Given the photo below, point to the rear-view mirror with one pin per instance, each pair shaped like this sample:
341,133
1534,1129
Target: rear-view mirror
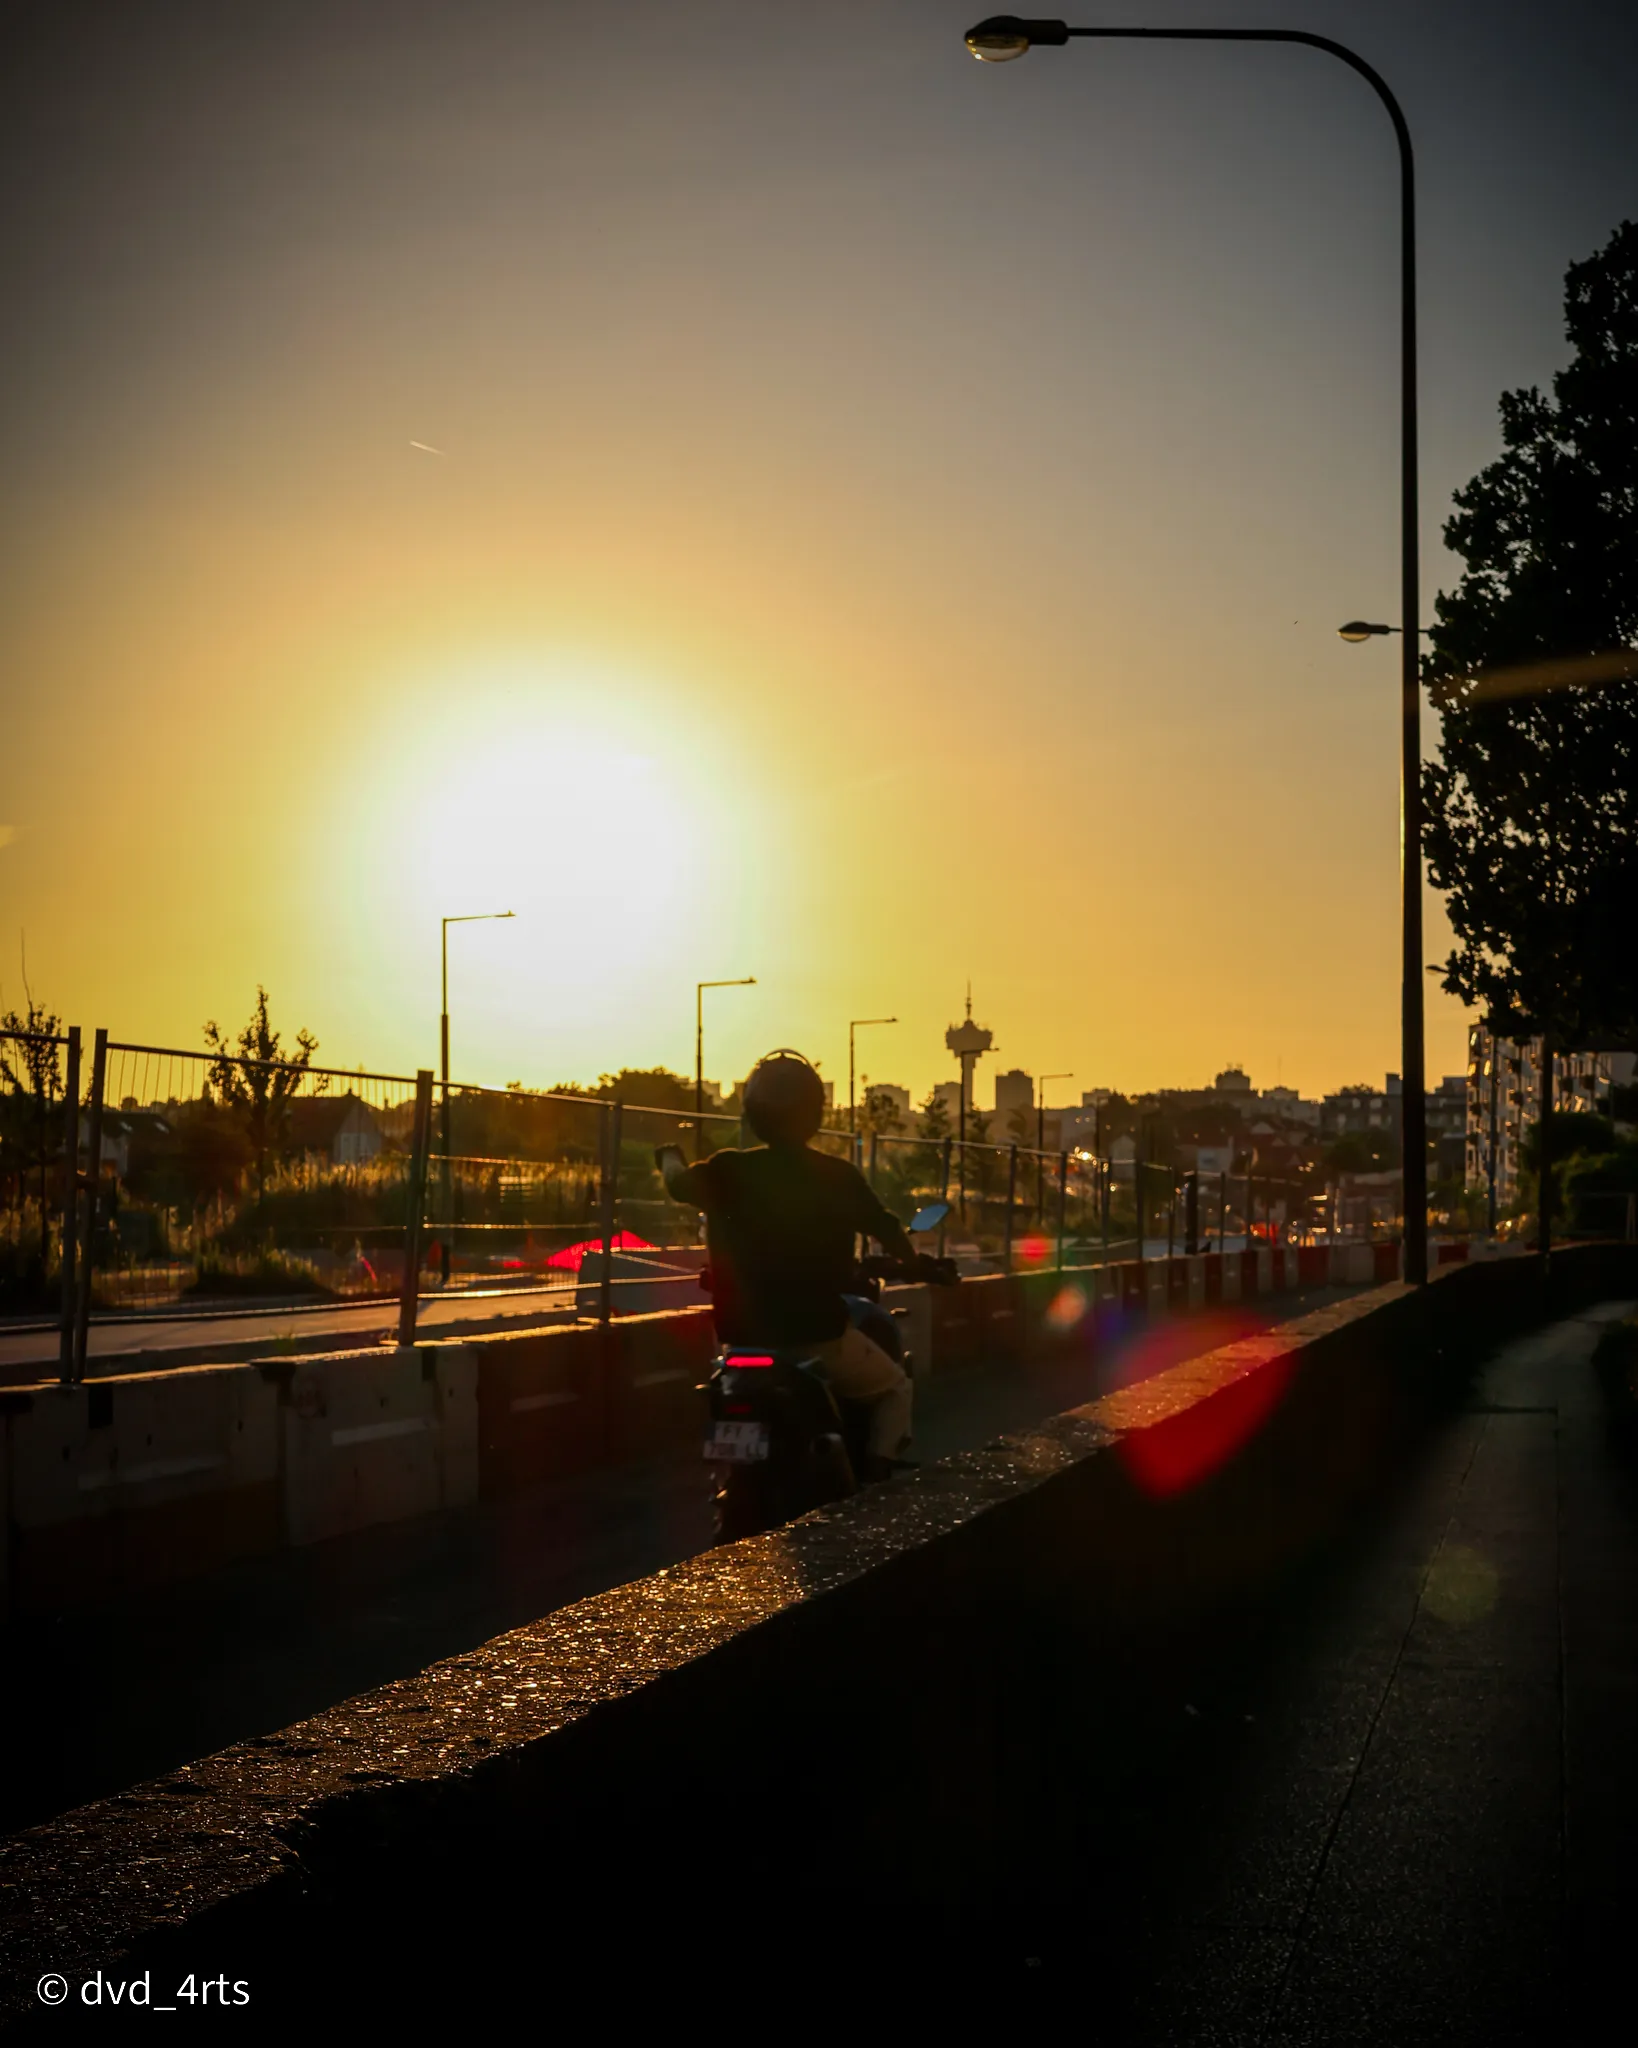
929,1218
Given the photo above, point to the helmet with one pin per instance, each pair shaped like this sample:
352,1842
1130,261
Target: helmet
784,1099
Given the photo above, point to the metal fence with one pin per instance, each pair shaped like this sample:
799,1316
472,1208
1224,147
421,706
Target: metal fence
177,1182
222,1182
225,1179
40,1182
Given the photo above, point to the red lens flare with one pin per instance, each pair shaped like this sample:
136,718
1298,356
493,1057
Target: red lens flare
1171,1456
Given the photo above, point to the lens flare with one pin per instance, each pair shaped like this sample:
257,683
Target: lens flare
1171,1456
1066,1308
1462,1585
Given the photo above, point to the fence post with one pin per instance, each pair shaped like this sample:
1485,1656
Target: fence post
71,1204
82,1292
1012,1193
1063,1203
416,1201
944,1192
611,1197
1106,1192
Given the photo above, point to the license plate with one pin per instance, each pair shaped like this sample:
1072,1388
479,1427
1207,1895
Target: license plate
737,1443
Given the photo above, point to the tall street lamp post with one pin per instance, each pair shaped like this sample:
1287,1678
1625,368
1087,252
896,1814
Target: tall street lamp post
744,981
1357,632
447,1176
858,1024
1005,36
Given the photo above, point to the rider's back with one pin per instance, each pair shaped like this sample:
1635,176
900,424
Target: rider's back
781,1221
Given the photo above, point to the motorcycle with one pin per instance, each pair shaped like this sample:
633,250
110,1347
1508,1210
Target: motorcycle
782,1439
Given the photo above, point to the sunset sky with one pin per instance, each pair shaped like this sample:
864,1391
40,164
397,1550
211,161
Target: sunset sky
756,493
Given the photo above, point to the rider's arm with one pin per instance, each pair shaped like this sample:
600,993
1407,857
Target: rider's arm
881,1224
683,1183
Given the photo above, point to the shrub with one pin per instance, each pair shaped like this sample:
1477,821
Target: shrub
268,1272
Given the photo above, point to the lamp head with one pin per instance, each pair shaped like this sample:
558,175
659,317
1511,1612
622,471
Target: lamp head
1002,37
1358,630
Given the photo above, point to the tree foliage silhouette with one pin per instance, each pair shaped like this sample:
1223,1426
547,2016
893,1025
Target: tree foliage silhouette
1532,804
258,1078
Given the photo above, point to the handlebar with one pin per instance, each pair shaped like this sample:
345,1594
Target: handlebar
922,1269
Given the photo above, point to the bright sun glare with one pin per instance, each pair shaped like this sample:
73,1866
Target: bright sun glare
569,827
574,797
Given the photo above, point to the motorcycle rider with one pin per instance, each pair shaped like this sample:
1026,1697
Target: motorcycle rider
780,1222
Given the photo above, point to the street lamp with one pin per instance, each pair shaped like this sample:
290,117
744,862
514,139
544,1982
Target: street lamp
477,917
1005,36
857,1024
744,981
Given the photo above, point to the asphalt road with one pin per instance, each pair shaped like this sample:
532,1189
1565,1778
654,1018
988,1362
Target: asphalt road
363,1322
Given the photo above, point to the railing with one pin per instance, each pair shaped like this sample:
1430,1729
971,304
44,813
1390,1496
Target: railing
194,1182
226,1179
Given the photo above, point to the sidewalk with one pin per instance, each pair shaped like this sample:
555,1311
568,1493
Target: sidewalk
1422,1821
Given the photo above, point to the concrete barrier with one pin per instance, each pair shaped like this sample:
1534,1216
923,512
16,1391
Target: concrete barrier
957,1326
375,1436
912,1308
1350,1265
651,1366
1004,1322
139,1477
540,1405
120,1484
1025,1589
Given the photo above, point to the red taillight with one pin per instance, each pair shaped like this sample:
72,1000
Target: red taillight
738,1360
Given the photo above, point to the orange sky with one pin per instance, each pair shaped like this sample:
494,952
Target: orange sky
887,525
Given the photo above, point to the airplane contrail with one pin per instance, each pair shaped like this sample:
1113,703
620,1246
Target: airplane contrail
426,448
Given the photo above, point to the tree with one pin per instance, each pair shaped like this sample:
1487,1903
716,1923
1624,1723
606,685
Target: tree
653,1087
258,1078
28,1083
935,1118
1532,828
879,1112
1362,1152
31,1066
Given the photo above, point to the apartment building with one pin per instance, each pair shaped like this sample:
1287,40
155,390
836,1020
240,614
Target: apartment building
1504,1100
